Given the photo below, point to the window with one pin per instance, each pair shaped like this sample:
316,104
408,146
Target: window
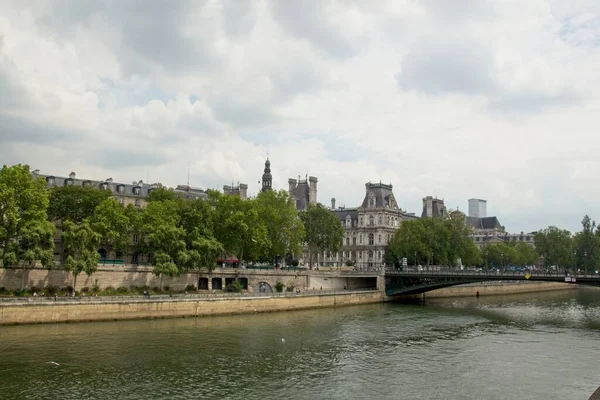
371,221
120,189
138,203
136,239
360,254
379,220
360,239
69,182
371,239
137,191
361,221
134,258
370,254
371,202
347,241
348,222
121,200
104,186
354,241
378,238
50,180
379,255
528,238
387,220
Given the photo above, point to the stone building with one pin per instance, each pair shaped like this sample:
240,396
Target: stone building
189,192
433,208
134,193
368,229
241,190
304,192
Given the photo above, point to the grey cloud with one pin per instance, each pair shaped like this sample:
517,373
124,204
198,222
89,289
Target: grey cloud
243,115
306,19
114,158
460,10
436,67
14,129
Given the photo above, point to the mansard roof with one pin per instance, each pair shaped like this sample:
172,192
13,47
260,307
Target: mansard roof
343,213
382,193
484,223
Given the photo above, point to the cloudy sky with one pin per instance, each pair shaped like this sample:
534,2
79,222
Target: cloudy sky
456,99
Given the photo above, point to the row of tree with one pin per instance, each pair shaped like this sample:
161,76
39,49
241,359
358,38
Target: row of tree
448,241
180,235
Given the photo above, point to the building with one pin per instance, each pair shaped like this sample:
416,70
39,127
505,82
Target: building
134,193
189,192
481,240
368,229
267,178
477,208
304,192
433,208
485,226
241,190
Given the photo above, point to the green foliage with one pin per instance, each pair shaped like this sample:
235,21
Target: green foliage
235,287
322,230
555,245
25,235
284,229
75,203
434,241
586,246
161,194
279,287
80,244
509,253
111,222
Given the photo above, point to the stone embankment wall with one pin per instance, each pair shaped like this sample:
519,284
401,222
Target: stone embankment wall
127,276
499,288
38,312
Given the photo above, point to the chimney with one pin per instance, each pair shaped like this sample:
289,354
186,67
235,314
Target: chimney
333,203
72,175
36,172
292,184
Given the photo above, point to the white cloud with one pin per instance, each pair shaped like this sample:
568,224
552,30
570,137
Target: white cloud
480,99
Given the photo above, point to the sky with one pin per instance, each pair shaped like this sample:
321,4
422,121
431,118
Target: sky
497,100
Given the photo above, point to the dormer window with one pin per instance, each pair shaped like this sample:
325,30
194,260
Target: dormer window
86,183
348,222
121,189
137,190
50,180
68,182
104,185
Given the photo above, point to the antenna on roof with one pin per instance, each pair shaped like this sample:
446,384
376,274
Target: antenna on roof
188,173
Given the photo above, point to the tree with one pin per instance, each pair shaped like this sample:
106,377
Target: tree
80,244
75,203
24,234
165,237
555,245
112,224
238,227
283,225
586,246
322,230
161,193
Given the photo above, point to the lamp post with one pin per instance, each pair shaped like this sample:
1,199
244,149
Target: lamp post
575,260
486,260
502,259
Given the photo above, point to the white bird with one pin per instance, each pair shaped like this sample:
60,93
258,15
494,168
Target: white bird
53,363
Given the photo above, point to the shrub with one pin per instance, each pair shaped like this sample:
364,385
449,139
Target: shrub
51,290
279,286
3,290
122,290
295,262
166,288
349,263
20,292
33,290
289,288
69,289
156,289
234,287
85,289
190,288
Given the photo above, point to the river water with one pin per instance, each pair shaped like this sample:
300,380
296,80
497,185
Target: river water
536,346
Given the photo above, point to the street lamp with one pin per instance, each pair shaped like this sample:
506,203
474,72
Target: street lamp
486,260
502,258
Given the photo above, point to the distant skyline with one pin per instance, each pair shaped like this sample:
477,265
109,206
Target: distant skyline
466,99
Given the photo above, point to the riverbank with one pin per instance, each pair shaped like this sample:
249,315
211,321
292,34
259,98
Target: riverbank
98,309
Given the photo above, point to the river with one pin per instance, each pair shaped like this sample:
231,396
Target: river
536,346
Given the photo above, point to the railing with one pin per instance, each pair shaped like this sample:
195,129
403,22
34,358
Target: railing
441,271
178,297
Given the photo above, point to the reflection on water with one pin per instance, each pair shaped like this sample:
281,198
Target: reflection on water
538,346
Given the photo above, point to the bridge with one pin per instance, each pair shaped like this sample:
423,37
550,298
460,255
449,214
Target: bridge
416,282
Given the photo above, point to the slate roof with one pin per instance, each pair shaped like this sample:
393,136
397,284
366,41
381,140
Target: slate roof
301,195
383,194
128,189
484,223
342,213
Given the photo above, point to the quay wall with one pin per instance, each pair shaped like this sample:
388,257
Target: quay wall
78,311
498,288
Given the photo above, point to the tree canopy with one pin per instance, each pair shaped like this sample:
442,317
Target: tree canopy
322,230
74,203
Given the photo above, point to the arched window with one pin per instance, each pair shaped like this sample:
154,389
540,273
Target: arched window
348,222
347,241
360,238
370,254
371,221
361,221
371,239
387,220
379,219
